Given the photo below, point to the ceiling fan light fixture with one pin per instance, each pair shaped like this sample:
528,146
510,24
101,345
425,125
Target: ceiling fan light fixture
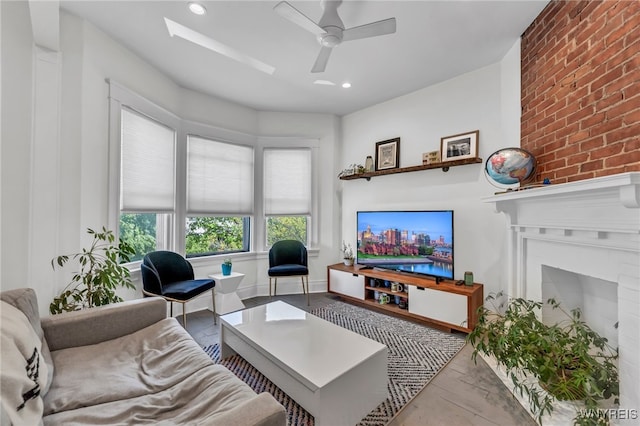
331,38
197,8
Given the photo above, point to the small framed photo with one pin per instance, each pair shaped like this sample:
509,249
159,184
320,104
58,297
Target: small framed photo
459,147
388,154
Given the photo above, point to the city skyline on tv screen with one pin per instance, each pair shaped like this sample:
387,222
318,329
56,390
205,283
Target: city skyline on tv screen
409,241
433,223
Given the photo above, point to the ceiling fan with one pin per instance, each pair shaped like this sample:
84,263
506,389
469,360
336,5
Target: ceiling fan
330,30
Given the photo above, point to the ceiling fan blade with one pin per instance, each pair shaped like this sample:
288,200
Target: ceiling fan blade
289,12
321,61
202,40
386,26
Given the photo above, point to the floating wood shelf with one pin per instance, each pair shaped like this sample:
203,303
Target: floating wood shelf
444,166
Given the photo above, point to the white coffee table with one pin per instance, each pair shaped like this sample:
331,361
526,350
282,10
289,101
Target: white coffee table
227,300
337,375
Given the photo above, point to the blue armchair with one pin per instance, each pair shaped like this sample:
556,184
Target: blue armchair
169,275
288,258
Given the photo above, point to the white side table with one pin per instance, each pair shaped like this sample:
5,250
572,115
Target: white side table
227,300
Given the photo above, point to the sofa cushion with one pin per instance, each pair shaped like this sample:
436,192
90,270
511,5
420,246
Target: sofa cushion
158,375
147,362
23,371
200,398
25,300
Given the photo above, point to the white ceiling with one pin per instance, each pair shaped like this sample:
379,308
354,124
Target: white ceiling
434,41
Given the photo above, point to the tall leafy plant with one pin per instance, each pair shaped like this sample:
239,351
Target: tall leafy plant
568,359
100,273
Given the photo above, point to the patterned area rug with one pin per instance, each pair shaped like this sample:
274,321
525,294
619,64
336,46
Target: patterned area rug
416,354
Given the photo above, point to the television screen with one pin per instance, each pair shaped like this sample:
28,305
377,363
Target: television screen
418,242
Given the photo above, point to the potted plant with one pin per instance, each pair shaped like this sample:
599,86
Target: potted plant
101,273
347,254
226,266
568,359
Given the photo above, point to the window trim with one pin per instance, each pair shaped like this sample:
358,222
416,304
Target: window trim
280,142
192,128
120,96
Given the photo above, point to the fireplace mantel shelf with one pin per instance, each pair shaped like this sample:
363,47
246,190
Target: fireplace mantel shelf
628,185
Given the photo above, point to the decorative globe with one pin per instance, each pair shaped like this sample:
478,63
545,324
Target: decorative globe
510,167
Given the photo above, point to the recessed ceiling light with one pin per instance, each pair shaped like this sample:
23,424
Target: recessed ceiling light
197,8
346,85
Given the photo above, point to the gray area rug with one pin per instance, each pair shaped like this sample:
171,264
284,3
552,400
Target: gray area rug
416,354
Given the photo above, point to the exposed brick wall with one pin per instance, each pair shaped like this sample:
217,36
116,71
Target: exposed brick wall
581,89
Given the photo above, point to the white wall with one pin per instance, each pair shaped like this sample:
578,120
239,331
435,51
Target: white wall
80,189
486,99
480,100
17,59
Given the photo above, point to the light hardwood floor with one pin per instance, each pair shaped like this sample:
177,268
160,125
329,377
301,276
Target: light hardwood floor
463,393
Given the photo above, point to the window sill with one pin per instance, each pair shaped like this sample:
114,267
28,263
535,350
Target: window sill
134,267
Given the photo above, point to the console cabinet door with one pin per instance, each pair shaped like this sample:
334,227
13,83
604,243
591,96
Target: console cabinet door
346,283
439,305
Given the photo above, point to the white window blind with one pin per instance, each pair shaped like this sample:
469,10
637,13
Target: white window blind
287,181
147,164
219,177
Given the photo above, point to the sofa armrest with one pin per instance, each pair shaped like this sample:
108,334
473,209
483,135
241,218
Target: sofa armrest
263,410
95,325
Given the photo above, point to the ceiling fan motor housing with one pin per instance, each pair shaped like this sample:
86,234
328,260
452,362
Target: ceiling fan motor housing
332,37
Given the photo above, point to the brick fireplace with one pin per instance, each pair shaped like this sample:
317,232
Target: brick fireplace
580,93
580,242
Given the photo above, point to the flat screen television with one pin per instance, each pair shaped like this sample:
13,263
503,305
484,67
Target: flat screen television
419,242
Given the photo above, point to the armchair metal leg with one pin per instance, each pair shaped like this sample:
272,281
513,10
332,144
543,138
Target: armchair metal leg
307,290
213,296
184,315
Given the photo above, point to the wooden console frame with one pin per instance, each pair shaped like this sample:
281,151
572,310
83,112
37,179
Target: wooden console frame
474,294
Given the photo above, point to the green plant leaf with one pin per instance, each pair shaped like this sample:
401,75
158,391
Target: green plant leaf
99,275
568,359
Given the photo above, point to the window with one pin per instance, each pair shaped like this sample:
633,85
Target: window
139,230
287,194
189,187
286,228
219,197
147,182
213,235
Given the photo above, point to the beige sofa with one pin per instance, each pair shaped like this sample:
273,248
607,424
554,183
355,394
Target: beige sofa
124,363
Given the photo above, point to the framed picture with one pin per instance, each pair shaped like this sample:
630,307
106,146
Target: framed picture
459,147
388,154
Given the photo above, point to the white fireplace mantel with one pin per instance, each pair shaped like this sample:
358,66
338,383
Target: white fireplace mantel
616,191
591,228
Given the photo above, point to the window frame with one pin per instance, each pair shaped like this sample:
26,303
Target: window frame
292,142
120,96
